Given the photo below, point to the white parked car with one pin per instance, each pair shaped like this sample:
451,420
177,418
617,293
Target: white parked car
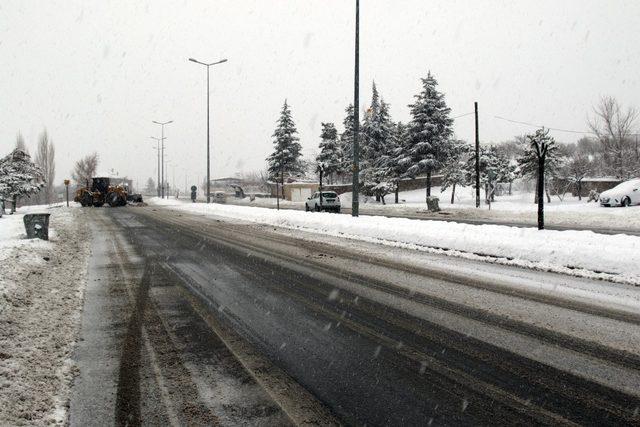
624,194
330,202
219,197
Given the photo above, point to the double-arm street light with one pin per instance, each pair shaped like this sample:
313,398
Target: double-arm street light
158,142
208,65
162,138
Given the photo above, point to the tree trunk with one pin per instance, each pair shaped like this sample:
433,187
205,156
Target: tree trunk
15,204
546,191
579,190
397,195
510,188
453,192
383,202
428,183
540,192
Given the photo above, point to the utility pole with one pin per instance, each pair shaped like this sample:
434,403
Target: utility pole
158,142
162,161
475,105
355,203
208,65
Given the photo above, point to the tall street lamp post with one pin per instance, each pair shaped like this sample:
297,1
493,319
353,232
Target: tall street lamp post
163,138
355,203
158,142
208,133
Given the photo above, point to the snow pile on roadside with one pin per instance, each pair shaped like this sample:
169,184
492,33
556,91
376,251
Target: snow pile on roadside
41,289
547,249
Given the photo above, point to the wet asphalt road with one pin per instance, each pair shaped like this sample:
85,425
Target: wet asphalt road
370,351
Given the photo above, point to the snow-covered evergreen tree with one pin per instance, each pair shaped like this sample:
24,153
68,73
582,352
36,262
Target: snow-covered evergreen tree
397,169
19,176
493,169
429,131
378,150
346,144
150,188
453,170
285,158
330,153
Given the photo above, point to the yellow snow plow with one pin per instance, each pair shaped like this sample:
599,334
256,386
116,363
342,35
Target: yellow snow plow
101,192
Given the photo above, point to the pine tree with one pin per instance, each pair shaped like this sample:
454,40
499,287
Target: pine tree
150,188
19,176
378,148
429,132
346,143
400,137
453,170
377,129
494,168
285,158
330,153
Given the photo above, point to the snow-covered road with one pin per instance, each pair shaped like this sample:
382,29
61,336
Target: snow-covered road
580,253
380,333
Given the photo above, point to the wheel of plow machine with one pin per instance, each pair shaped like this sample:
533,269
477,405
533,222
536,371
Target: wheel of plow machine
115,199
86,199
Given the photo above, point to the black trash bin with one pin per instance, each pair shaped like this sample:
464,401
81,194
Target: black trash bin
37,225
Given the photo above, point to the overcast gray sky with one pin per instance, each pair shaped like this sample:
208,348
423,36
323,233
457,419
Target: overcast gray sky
96,73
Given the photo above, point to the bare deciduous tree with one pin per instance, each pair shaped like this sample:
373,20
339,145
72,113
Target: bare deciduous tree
20,144
613,125
577,168
85,169
45,158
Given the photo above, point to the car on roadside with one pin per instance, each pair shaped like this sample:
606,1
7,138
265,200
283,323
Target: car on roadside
624,194
330,202
219,197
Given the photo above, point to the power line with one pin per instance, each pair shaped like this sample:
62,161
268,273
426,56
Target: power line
462,115
542,126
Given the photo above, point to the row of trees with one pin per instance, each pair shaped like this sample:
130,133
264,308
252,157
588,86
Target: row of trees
20,177
45,159
391,151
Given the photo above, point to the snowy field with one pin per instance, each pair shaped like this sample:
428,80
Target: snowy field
41,289
582,253
519,207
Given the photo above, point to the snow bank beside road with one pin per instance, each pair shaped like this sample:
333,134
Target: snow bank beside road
41,288
547,249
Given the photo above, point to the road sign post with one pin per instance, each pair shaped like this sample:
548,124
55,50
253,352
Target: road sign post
66,185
